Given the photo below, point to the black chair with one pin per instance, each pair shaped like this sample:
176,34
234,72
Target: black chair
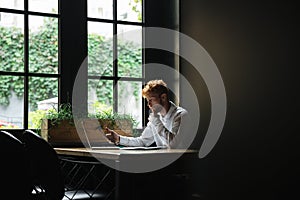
53,179
45,168
15,182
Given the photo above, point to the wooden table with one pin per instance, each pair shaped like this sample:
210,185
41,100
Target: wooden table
119,159
119,154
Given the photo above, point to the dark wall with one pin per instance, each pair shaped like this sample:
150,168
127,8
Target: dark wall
164,14
255,46
73,49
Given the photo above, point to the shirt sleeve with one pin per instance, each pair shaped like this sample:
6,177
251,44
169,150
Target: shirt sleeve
156,131
146,139
178,137
164,136
162,130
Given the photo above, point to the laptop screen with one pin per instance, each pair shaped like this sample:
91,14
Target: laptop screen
95,135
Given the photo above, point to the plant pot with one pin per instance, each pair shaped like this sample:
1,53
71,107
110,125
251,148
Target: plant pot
64,133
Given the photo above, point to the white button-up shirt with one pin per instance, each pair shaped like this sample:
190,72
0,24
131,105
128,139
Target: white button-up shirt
161,129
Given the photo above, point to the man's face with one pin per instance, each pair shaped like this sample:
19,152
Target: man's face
155,102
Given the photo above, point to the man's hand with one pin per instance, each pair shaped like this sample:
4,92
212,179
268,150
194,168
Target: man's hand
156,108
112,136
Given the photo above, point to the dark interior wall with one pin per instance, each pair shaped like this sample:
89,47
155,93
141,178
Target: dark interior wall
254,44
163,14
73,49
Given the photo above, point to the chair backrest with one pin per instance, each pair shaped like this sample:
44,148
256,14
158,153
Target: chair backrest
15,182
45,165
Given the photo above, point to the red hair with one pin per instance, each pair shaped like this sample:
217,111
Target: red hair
157,87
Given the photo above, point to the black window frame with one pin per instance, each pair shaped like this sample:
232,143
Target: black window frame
71,36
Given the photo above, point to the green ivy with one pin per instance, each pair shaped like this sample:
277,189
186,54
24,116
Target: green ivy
11,59
43,58
134,7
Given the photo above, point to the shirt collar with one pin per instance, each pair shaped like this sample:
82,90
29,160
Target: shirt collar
171,109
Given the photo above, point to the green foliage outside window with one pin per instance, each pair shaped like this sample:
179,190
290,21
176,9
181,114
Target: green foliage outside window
43,51
100,61
11,59
135,4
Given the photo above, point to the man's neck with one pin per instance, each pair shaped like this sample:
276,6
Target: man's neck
166,109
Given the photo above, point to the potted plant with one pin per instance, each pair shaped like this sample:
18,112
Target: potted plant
123,124
58,126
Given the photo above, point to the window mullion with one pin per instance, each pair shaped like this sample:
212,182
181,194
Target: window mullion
26,65
115,58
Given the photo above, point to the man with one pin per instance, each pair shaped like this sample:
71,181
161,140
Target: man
164,120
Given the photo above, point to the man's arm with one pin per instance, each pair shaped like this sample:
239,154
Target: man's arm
162,134
146,139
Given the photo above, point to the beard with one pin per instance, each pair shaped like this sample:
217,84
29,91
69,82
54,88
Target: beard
159,107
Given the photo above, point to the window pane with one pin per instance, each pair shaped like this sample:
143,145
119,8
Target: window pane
45,6
100,95
11,42
43,44
100,49
129,51
130,10
100,9
16,4
11,101
43,93
130,100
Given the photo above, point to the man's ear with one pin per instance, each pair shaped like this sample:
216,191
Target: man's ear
164,96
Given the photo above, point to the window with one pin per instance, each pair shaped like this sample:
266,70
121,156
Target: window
33,65
29,71
115,66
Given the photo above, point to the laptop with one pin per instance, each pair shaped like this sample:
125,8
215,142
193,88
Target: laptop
96,139
95,136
